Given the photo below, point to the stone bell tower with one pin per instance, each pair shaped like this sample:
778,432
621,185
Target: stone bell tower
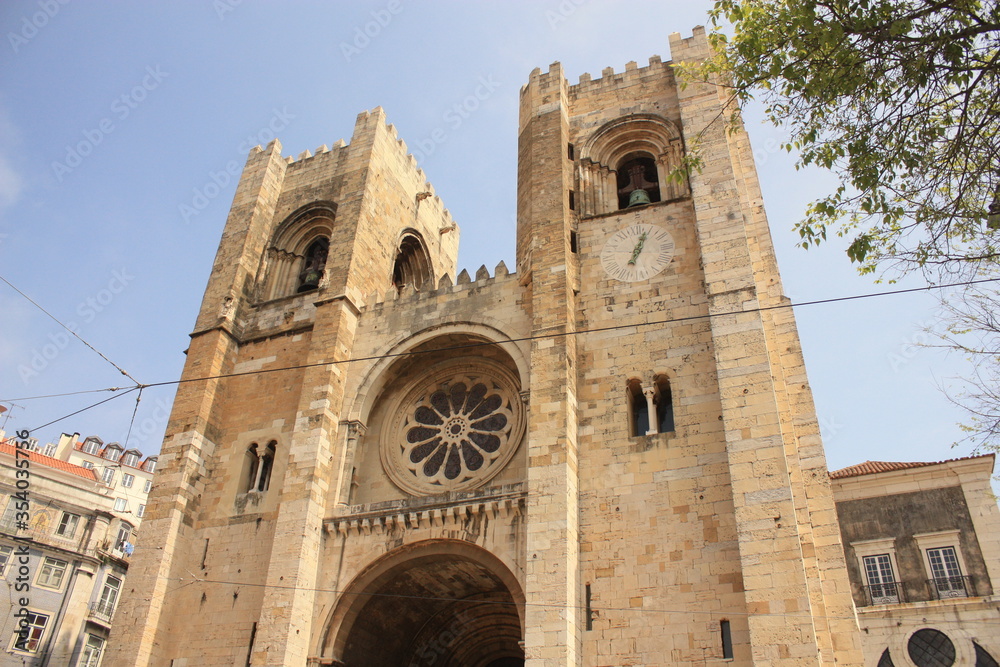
607,457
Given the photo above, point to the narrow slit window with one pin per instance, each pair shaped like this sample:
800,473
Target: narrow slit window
266,465
251,465
638,409
573,243
664,403
727,640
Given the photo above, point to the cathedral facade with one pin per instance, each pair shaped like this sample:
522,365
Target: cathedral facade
605,455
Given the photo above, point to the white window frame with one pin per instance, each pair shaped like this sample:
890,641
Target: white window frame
147,486
108,476
940,540
37,641
91,447
878,547
47,568
92,651
127,480
49,450
110,592
71,520
89,465
120,543
9,518
141,512
150,464
131,459
113,454
6,553
121,505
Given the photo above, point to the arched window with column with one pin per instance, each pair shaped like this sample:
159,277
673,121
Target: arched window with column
650,408
257,467
297,259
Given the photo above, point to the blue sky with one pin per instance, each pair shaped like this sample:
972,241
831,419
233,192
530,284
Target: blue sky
120,123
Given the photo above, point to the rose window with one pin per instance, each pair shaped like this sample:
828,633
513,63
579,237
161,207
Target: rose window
453,432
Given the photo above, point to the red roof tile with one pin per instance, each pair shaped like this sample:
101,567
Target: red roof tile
874,467
35,457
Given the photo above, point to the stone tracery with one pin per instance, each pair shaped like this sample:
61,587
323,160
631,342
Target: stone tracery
454,429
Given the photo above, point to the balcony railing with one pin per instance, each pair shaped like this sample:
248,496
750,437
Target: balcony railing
888,593
102,611
944,588
940,588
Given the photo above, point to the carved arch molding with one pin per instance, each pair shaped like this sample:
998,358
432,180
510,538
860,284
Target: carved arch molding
614,143
285,258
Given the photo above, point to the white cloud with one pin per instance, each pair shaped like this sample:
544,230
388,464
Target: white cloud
11,183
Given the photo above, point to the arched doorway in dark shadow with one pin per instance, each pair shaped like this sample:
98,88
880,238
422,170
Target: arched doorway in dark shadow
440,603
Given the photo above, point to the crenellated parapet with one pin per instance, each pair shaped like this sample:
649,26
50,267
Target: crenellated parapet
633,74
445,287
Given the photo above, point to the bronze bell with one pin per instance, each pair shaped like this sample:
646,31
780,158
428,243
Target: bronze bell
638,198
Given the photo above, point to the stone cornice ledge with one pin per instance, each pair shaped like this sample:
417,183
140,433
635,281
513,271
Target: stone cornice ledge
497,502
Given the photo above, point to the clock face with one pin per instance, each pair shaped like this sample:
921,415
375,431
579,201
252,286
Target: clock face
637,253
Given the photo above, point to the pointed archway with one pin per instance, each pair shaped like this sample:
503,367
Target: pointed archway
440,602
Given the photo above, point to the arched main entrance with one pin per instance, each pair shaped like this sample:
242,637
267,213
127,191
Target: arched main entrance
441,603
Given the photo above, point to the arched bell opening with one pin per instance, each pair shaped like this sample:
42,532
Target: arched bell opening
444,604
313,265
638,181
296,259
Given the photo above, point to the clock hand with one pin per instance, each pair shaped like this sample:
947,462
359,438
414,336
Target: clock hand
638,249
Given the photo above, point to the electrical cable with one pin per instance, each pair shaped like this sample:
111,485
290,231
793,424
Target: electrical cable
559,334
68,393
54,421
578,332
54,319
541,605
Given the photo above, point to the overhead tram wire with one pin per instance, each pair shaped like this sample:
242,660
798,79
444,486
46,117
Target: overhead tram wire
466,346
89,407
76,335
543,605
68,393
